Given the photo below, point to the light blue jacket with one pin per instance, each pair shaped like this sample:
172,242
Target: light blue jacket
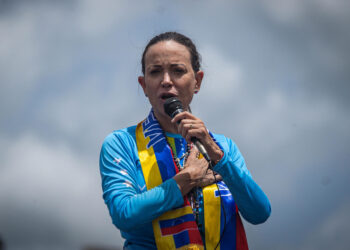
133,207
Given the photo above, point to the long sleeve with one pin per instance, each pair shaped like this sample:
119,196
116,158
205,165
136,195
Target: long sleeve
129,204
252,202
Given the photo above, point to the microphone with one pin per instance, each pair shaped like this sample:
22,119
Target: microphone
172,107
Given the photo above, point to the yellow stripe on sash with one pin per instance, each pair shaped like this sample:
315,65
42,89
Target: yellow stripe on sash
212,211
167,242
191,247
171,142
148,160
163,242
153,178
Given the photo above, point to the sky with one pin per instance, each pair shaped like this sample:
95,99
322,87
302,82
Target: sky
277,82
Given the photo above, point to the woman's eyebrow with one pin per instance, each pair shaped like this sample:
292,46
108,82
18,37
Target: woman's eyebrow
177,64
154,66
160,66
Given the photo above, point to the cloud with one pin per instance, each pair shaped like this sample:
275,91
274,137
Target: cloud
60,89
52,194
226,81
46,49
295,12
332,230
275,81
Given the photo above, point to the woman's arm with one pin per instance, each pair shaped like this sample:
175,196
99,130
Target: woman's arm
252,202
250,199
128,205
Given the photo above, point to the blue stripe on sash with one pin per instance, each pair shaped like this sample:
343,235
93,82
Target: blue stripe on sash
228,240
162,151
179,149
176,221
181,239
164,160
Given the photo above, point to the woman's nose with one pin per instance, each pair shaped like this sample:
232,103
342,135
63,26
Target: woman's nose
166,82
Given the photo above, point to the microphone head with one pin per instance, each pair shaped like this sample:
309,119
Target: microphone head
173,106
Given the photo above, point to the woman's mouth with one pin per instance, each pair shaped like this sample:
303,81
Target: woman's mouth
166,96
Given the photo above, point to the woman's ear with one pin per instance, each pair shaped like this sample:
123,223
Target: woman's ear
199,77
141,80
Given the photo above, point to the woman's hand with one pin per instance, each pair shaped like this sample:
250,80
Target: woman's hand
209,178
196,167
195,170
195,173
191,126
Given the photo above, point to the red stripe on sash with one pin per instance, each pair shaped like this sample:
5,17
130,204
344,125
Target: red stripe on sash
188,225
195,237
241,239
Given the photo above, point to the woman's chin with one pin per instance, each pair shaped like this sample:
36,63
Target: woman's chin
160,113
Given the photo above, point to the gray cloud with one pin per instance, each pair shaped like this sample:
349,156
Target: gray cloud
52,197
275,81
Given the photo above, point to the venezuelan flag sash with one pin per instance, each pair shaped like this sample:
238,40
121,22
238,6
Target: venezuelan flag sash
217,221
177,229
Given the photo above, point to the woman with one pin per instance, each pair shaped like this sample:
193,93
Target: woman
158,189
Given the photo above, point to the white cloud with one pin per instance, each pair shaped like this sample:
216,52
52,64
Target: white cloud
223,76
44,42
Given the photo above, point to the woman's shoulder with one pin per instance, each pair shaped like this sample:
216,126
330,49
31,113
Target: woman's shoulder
122,137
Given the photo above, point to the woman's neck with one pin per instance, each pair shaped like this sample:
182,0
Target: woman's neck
166,124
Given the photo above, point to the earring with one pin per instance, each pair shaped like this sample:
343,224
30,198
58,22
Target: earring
196,91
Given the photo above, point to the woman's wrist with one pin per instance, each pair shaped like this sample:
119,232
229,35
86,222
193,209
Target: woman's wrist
184,181
215,153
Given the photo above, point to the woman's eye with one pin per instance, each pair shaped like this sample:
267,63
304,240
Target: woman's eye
179,71
154,71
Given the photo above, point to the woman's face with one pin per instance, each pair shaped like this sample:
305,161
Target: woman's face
168,73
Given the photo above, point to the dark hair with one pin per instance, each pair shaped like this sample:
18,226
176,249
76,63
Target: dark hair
179,38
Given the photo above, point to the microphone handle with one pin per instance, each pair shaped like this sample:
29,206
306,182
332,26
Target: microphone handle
201,148
195,140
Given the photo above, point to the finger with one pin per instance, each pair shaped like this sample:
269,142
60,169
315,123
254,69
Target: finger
194,132
193,153
194,121
193,158
182,127
191,124
185,123
187,130
199,132
207,180
210,172
187,126
218,177
181,116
